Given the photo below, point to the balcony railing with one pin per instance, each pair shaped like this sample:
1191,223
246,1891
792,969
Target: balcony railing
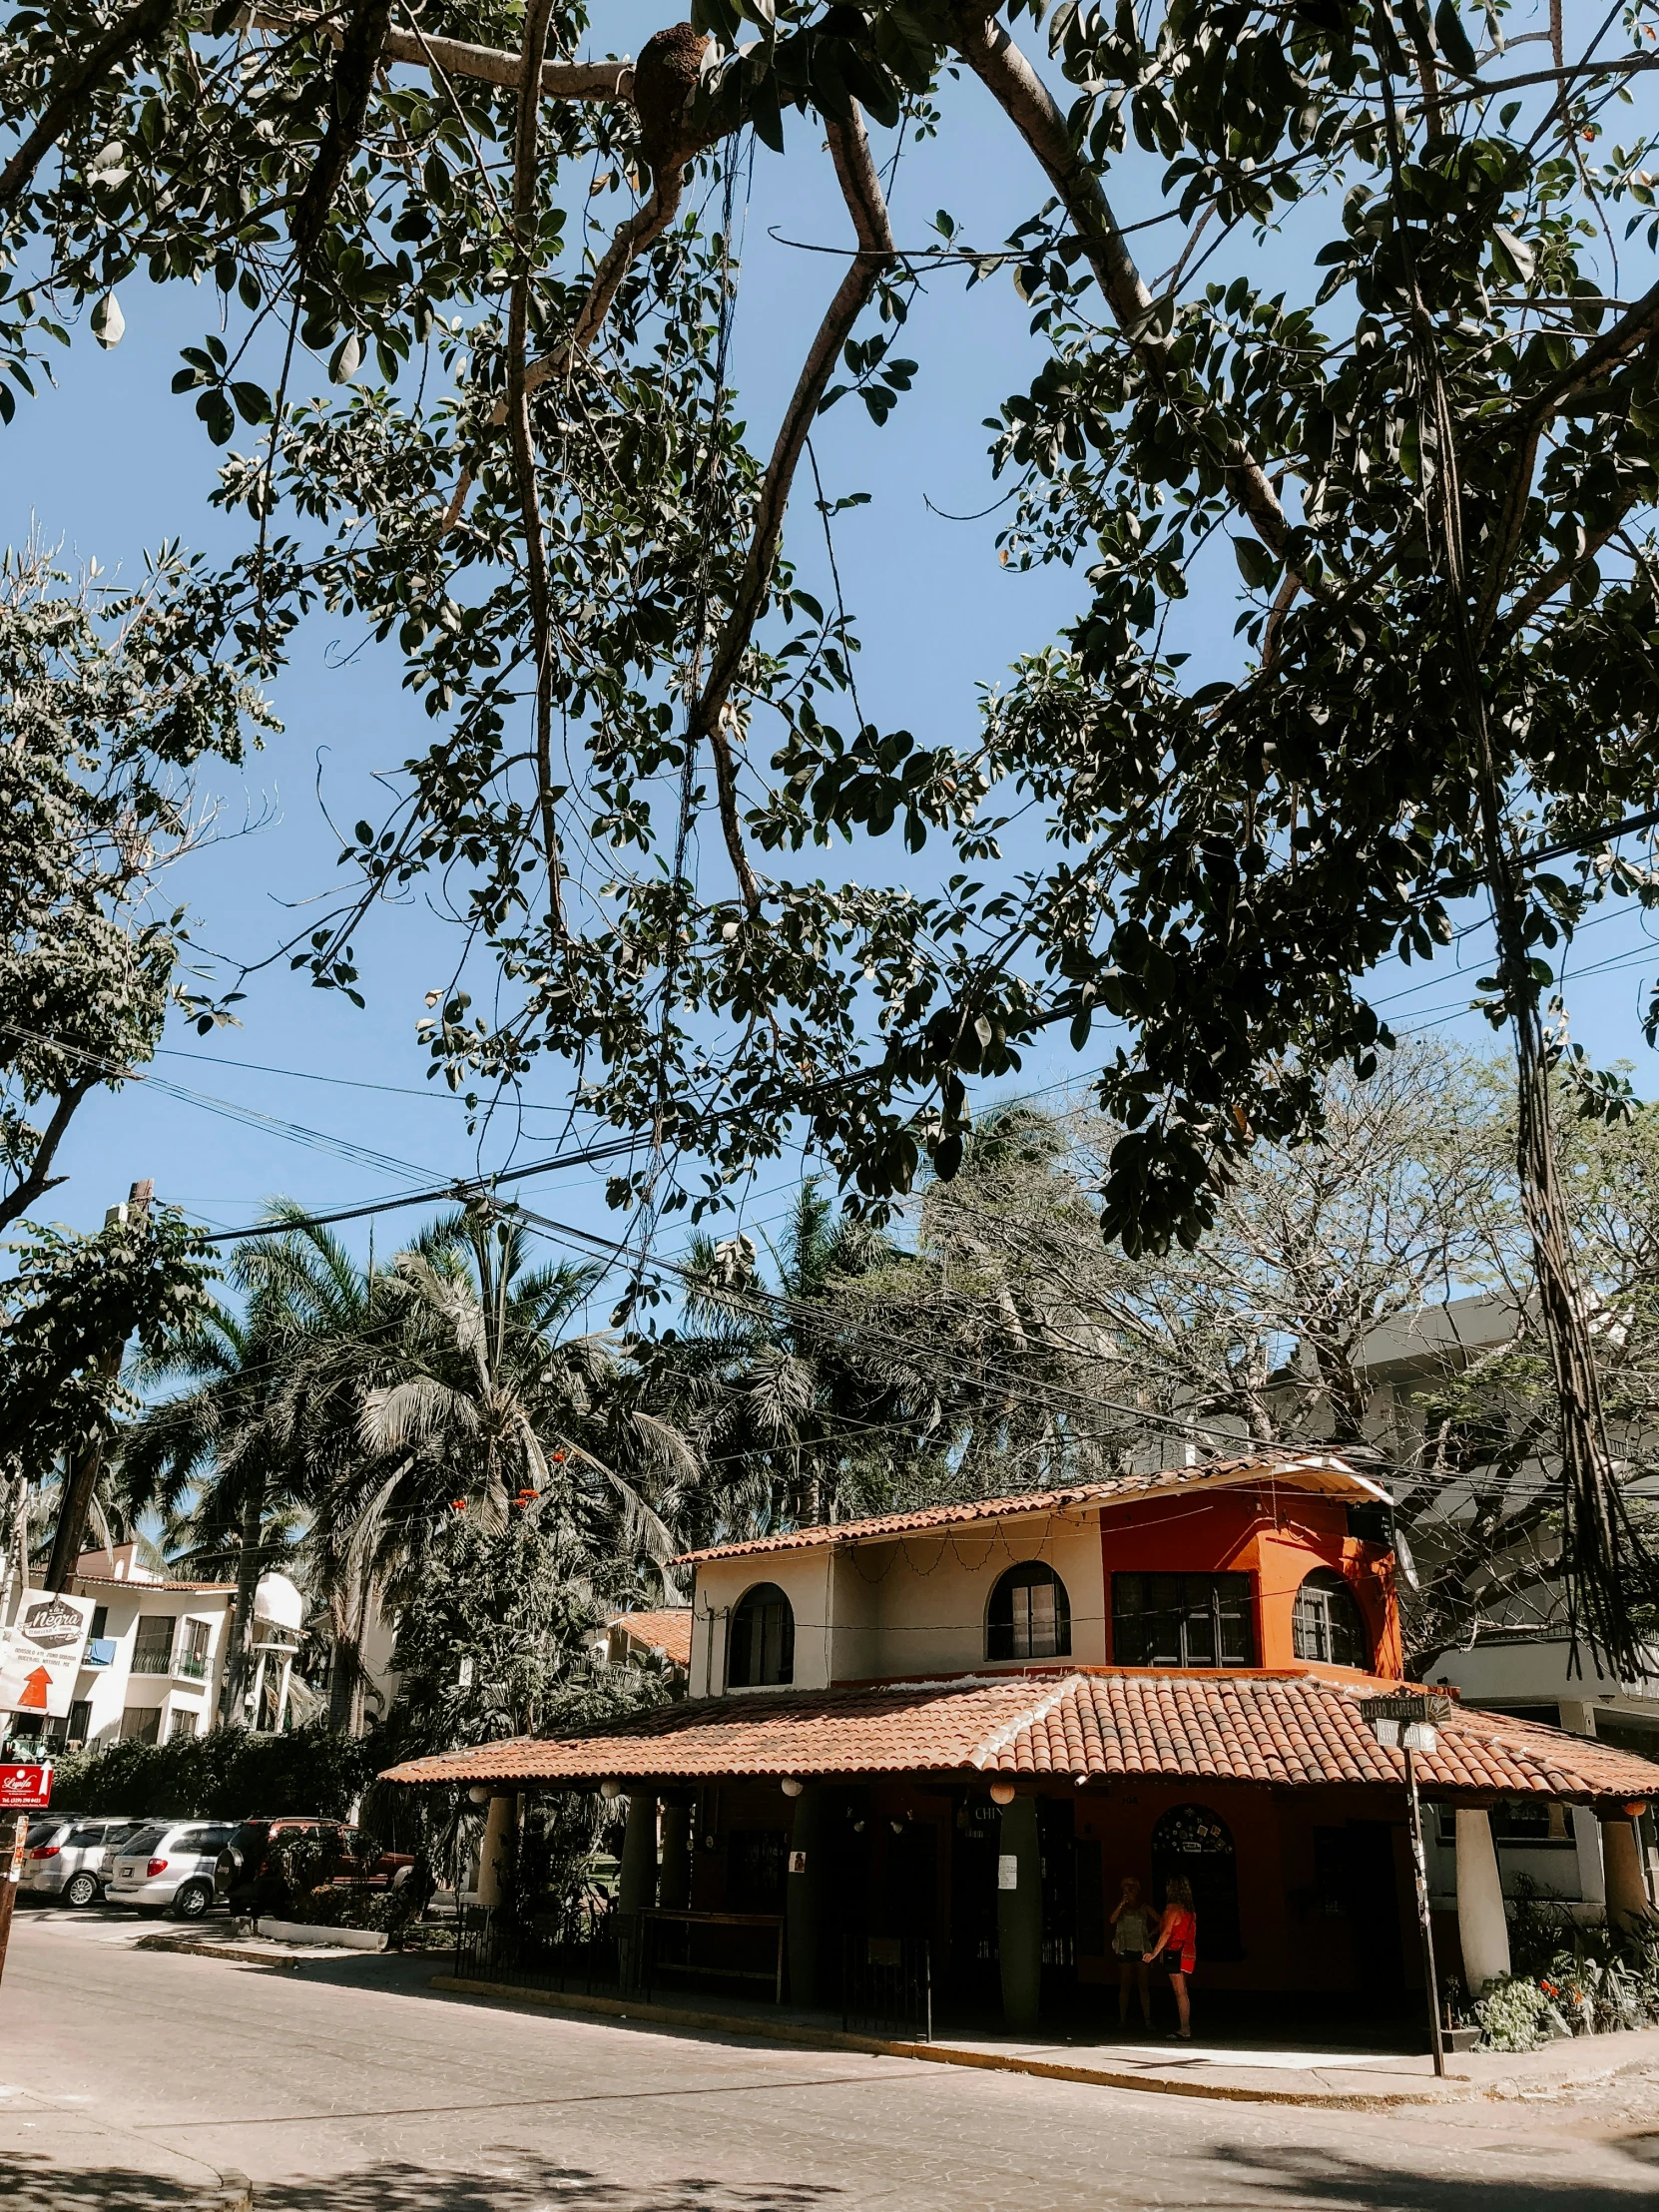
192,1665
148,1660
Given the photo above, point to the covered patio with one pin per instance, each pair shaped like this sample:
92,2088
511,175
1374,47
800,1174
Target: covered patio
962,1841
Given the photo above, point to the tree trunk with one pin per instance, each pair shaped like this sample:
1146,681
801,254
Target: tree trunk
231,1712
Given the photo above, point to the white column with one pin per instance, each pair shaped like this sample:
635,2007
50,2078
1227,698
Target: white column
494,1851
283,1694
1481,1927
259,1689
1621,1857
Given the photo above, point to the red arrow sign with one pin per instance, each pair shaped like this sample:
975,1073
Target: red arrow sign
35,1687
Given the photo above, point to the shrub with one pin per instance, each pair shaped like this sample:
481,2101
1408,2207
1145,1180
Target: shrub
228,1774
1512,2013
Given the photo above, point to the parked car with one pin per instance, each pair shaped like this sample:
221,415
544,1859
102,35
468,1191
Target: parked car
169,1869
72,1863
245,1881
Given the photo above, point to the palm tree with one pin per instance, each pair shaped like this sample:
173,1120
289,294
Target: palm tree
806,1405
472,1395
226,1458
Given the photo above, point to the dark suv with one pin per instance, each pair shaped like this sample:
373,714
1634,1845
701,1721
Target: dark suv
245,1881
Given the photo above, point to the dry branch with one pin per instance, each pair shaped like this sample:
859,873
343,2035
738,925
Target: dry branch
489,65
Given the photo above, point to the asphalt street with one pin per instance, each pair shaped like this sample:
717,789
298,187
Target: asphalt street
129,2080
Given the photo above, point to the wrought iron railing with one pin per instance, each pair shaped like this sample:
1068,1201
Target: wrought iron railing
573,1951
887,1987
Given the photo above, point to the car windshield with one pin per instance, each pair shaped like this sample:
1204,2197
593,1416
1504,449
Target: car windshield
143,1842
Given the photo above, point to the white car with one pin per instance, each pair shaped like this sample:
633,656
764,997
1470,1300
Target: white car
170,1869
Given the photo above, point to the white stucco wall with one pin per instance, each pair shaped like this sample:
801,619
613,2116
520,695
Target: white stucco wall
910,1606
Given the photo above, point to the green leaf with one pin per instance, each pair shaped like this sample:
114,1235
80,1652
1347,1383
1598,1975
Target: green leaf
1453,39
1256,564
348,356
216,412
252,402
109,324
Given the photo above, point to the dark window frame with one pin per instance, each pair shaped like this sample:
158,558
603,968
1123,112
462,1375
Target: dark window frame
1009,1623
773,1665
1325,1612
1196,1622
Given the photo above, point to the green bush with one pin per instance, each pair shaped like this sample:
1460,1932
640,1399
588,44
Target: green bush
228,1774
1512,2013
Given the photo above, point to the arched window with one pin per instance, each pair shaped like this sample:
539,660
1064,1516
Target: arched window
761,1648
1190,1840
1326,1624
1029,1616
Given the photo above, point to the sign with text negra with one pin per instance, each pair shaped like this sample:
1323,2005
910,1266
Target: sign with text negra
40,1655
25,1789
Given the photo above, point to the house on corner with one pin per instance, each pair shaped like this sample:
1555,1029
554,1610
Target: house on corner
954,1732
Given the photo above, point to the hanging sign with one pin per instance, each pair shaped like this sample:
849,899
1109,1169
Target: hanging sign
41,1654
1007,1870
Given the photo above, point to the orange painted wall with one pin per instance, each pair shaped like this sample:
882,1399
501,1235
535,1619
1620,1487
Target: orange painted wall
1278,1540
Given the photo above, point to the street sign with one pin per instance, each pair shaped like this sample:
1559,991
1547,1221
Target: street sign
1406,1708
41,1654
25,1789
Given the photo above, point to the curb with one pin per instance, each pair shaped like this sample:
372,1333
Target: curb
947,2055
185,1947
234,2194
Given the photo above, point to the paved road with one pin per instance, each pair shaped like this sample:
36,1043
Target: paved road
127,2078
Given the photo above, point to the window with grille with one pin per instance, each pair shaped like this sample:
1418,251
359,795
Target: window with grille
1183,1620
153,1645
192,1650
1326,1624
761,1647
1029,1616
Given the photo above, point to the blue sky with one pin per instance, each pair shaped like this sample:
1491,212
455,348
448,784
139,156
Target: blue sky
110,463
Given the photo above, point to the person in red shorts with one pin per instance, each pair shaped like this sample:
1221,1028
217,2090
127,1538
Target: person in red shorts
1175,1946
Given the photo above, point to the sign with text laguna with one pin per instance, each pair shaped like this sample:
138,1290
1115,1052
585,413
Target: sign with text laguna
40,1655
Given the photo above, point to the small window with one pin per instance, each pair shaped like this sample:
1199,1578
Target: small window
80,1720
182,1724
100,1624
1029,1616
1182,1620
153,1645
141,1724
762,1649
1327,1624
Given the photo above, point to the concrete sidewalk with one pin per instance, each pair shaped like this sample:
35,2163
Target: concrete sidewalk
1231,2068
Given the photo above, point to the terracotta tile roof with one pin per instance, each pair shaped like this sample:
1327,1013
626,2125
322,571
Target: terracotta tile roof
1290,1729
668,1630
140,1585
1305,1469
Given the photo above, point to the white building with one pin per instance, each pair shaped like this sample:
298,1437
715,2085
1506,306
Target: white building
155,1658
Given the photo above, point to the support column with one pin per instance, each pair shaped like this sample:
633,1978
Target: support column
806,1899
636,1888
673,1889
1482,1929
492,1856
1621,1858
1019,1915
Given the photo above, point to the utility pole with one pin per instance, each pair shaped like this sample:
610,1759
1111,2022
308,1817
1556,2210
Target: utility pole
77,1504
1408,1723
11,1872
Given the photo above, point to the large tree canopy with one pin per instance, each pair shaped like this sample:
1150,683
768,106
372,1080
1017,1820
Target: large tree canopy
1434,453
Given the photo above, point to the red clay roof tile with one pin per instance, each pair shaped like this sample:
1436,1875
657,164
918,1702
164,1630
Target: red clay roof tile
1083,1726
1302,1467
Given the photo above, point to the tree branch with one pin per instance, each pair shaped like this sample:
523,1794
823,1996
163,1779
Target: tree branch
1002,68
525,161
360,47
39,1180
861,190
489,65
141,24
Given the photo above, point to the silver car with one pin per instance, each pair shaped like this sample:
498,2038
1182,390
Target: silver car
168,1868
72,1863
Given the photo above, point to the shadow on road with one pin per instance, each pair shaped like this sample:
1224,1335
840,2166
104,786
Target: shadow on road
29,2184
1301,2177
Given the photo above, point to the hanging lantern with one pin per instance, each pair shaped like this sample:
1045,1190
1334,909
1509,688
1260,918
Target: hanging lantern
791,1787
1002,1792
